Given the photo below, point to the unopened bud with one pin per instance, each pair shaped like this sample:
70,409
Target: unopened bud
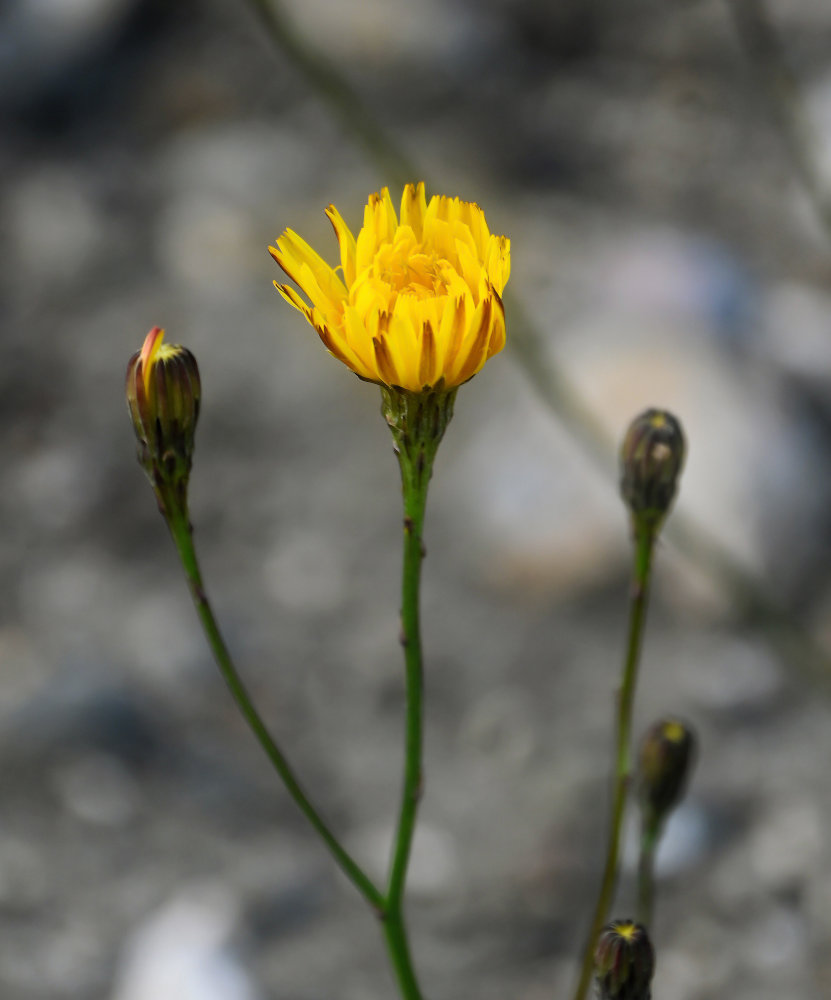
665,760
651,459
624,962
163,392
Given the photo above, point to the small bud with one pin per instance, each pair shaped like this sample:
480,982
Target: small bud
665,760
651,459
624,962
163,392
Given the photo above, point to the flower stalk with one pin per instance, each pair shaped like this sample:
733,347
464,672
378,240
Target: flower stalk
417,422
651,459
163,393
182,533
665,762
650,835
639,596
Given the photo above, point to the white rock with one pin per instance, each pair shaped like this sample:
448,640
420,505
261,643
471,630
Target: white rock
181,951
530,506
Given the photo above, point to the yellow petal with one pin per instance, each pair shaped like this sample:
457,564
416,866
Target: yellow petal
405,350
497,341
339,349
380,223
291,296
470,264
474,350
358,338
383,362
452,330
497,260
293,253
346,242
427,363
413,207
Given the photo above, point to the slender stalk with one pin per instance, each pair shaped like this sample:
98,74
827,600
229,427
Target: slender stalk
415,497
644,544
650,835
398,947
180,529
416,467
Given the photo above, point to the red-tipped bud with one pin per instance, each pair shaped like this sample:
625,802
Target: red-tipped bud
665,761
163,392
624,962
651,460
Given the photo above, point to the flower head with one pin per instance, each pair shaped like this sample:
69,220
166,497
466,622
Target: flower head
651,460
416,301
163,392
624,962
665,760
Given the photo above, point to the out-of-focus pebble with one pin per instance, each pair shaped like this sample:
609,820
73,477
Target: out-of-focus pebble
181,951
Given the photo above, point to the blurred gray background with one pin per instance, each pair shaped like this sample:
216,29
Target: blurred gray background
668,256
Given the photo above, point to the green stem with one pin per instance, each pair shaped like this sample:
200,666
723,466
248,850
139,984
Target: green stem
417,422
395,934
180,529
414,482
415,477
644,544
646,872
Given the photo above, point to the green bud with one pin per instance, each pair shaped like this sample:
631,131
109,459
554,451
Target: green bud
624,962
665,761
163,392
651,459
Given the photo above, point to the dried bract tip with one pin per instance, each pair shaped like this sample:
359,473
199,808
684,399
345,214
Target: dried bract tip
651,459
163,393
624,962
665,761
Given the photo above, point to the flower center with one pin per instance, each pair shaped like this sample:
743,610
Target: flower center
413,271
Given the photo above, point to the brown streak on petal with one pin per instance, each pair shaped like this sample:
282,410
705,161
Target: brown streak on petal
330,345
383,360
498,321
427,361
457,332
500,305
277,257
479,345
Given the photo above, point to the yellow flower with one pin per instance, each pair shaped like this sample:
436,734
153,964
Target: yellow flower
416,301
